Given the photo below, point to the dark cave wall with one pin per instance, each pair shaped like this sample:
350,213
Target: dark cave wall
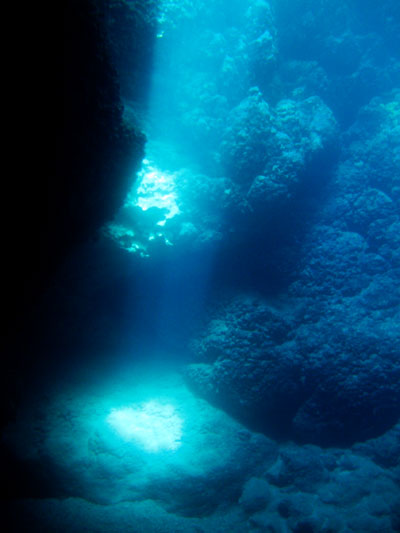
84,159
99,151
131,28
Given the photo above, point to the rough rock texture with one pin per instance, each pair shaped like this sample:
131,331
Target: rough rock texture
215,56
270,151
328,360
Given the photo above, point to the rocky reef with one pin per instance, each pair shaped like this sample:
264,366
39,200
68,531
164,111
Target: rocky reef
225,354
321,363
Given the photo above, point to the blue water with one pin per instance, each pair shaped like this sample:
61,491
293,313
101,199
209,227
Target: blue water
227,353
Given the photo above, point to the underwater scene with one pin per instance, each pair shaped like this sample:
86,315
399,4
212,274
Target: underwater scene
213,345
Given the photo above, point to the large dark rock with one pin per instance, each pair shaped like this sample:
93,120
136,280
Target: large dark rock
322,364
268,150
323,374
